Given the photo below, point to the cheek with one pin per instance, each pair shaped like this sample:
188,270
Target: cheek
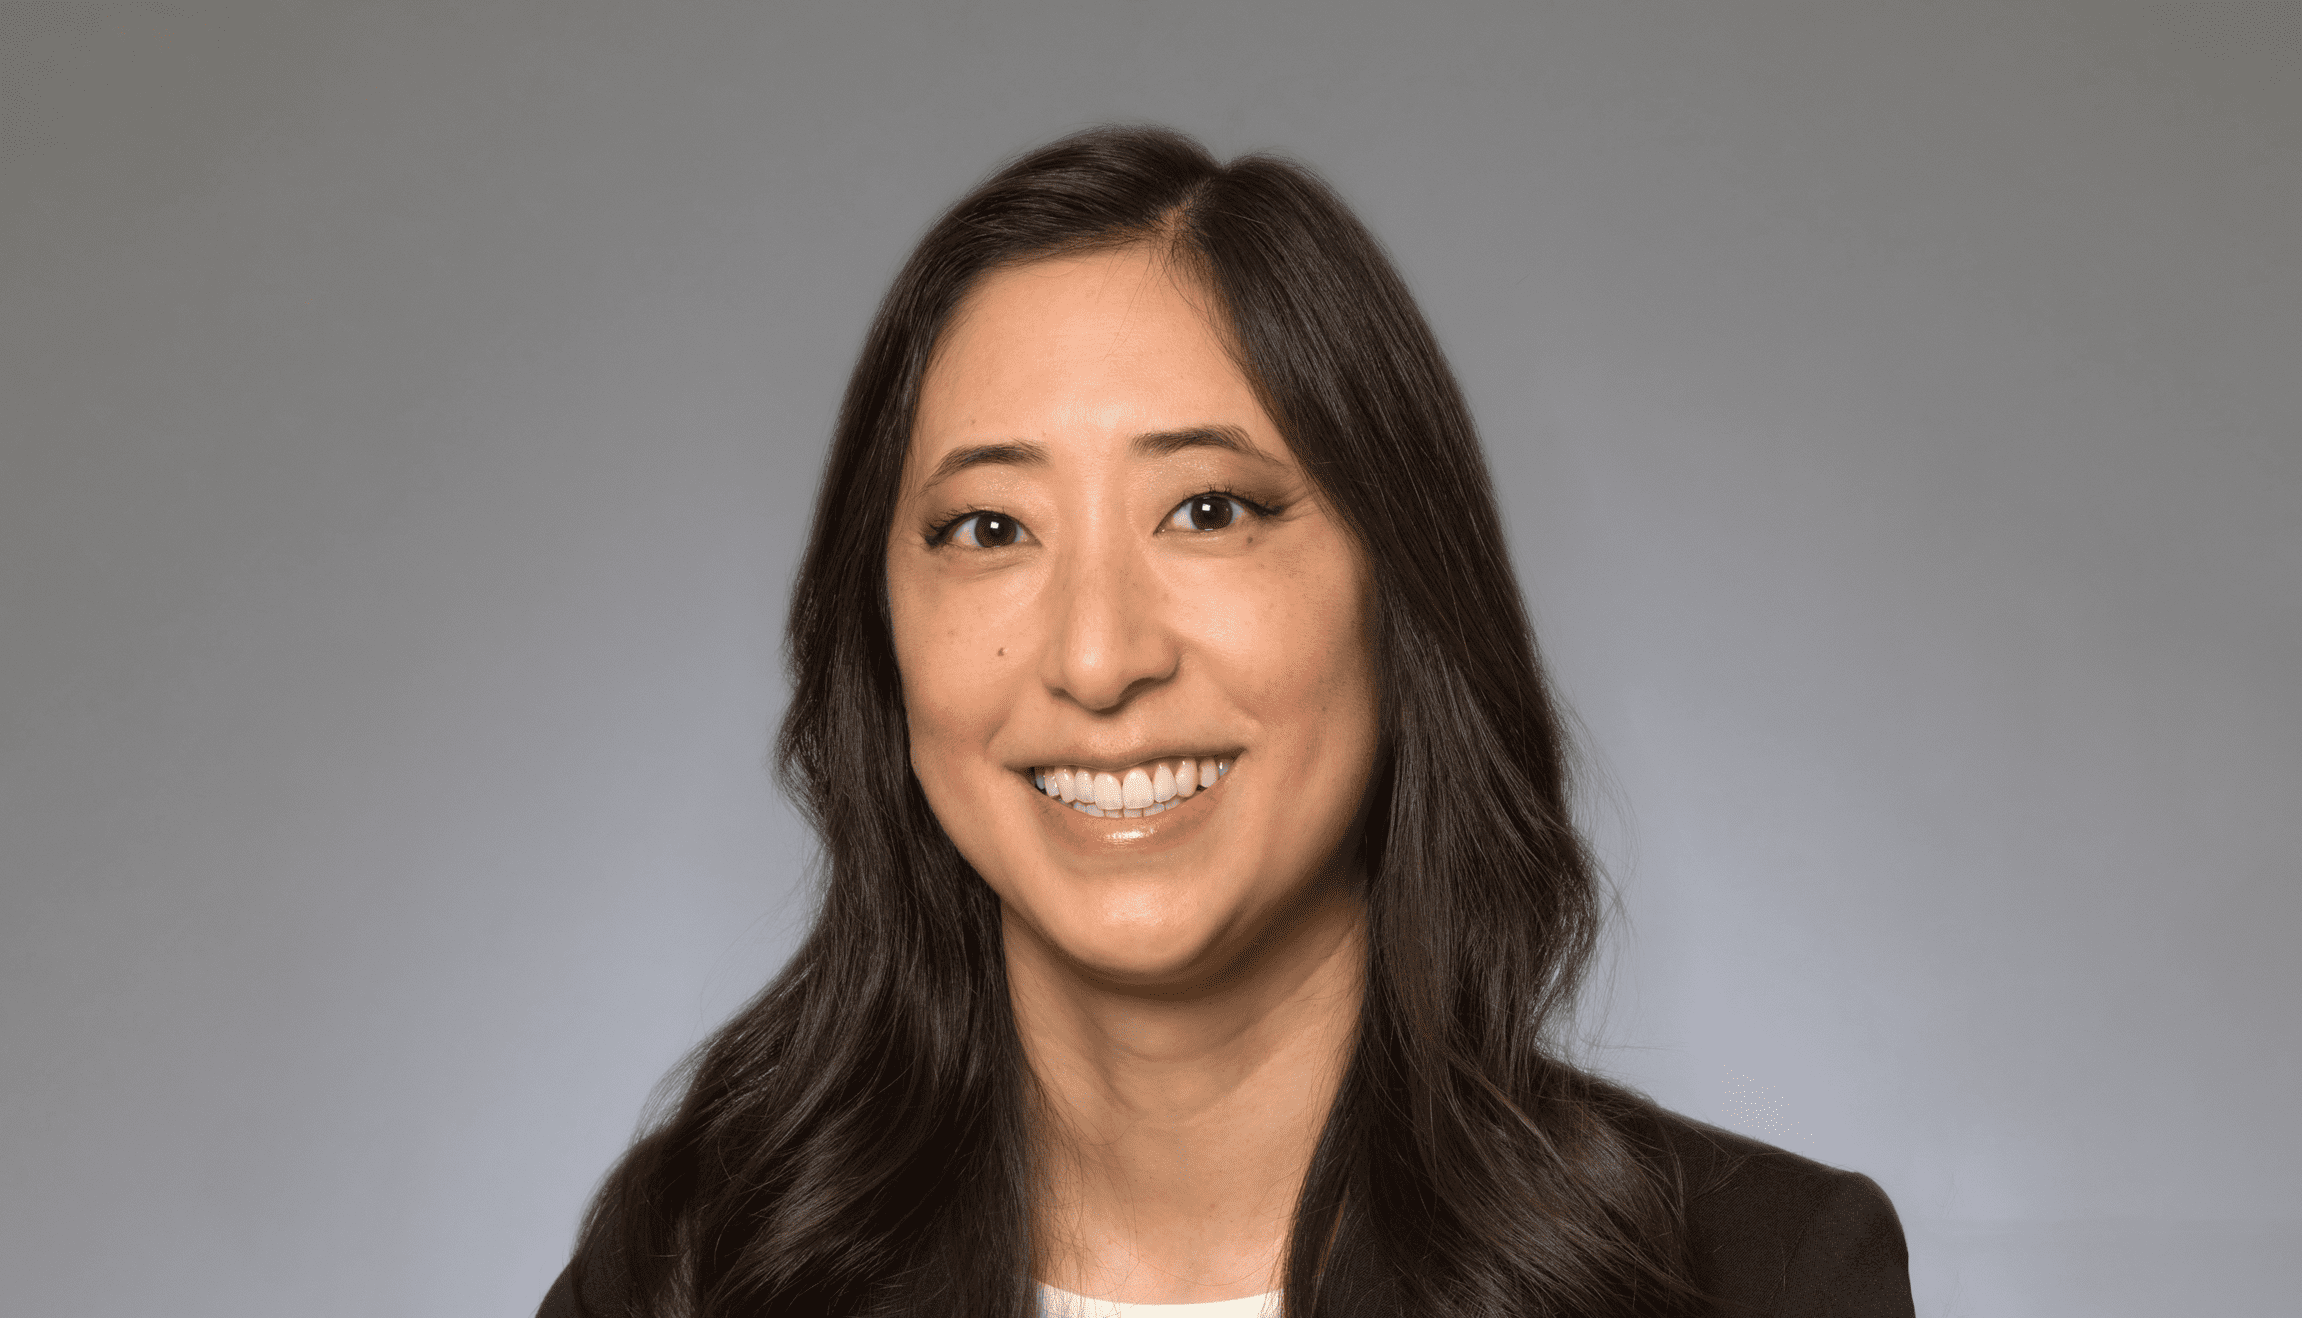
1294,643
957,651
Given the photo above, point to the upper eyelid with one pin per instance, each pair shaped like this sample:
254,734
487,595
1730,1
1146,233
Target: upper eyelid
939,530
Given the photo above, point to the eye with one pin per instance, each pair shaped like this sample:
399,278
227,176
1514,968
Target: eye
1206,512
986,531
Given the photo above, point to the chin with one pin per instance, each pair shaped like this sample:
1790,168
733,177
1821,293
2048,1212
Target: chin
1125,947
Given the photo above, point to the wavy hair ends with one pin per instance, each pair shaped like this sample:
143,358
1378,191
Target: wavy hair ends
855,1141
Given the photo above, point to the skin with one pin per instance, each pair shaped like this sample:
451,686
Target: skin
1186,985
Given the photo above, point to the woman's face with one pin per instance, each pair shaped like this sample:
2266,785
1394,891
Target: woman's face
1105,563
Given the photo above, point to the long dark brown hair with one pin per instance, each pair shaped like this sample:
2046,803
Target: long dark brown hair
856,1141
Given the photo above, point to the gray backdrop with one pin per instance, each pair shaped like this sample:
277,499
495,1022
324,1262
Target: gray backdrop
411,414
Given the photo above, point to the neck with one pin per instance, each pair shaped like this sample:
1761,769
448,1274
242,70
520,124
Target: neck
1175,1123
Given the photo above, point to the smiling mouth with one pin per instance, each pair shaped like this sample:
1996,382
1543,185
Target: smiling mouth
1146,789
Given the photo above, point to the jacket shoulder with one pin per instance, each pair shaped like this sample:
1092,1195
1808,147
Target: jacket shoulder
1772,1233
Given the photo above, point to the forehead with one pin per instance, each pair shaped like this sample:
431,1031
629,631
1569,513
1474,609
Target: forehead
1081,349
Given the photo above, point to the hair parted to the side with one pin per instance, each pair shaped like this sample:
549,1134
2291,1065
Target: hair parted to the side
855,1142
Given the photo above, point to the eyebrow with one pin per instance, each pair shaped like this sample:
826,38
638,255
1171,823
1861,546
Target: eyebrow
1161,443
1012,454
1153,444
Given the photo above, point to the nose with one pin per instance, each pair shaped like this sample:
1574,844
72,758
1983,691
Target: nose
1111,639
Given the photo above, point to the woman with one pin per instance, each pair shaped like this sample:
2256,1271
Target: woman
1201,891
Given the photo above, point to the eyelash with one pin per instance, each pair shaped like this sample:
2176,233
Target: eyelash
1254,509
939,534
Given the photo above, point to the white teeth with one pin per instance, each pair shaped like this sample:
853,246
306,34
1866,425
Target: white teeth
1144,790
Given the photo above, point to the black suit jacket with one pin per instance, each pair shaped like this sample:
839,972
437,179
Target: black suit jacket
1781,1235
1774,1236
